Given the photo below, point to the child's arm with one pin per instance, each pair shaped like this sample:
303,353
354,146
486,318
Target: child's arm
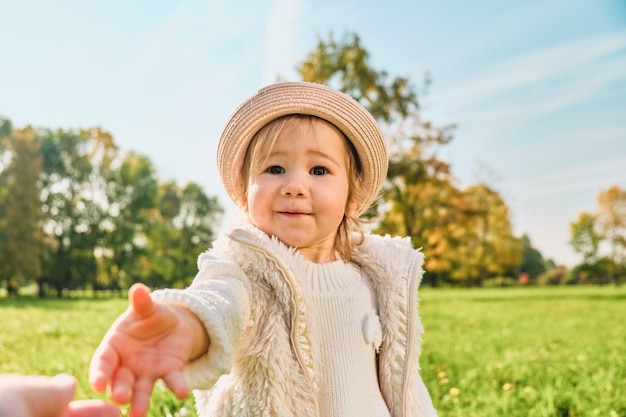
149,341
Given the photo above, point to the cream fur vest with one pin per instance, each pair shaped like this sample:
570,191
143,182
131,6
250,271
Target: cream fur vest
259,361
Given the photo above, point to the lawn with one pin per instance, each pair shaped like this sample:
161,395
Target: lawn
550,351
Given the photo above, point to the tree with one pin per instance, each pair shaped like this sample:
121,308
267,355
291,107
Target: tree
73,203
533,264
346,63
431,213
21,238
420,198
611,219
492,249
393,102
74,215
592,230
184,228
131,192
196,219
585,237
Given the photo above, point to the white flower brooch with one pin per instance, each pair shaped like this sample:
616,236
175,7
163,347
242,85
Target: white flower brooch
373,331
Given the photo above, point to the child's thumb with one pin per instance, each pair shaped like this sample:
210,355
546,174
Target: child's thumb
139,296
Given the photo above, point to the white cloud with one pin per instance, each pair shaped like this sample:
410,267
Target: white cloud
578,177
585,83
588,61
568,186
497,111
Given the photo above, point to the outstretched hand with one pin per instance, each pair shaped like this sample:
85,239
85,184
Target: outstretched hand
149,341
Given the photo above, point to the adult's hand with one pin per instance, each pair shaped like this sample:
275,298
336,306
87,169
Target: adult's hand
42,396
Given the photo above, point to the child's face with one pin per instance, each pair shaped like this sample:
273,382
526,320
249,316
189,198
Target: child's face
299,194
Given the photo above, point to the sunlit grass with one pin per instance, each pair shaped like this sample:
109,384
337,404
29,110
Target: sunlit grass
53,336
526,352
552,351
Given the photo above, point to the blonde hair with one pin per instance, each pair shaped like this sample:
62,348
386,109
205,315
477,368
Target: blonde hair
259,150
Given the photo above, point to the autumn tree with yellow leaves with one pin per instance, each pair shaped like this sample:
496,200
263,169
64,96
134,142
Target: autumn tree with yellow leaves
603,228
466,235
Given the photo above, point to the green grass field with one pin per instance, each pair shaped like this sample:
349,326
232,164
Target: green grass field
550,351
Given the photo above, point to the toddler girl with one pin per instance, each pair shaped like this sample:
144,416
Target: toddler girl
298,312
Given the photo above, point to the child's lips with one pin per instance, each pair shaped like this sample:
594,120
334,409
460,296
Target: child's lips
293,213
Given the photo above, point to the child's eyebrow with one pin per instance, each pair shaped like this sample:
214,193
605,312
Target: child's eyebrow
316,153
325,156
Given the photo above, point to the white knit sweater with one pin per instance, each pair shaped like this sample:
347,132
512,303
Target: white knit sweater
261,360
345,335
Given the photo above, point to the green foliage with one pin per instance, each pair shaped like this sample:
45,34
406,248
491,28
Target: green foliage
345,65
72,204
132,193
533,263
21,238
585,237
5,128
182,229
601,271
75,214
606,226
516,352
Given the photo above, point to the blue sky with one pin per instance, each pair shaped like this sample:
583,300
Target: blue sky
537,88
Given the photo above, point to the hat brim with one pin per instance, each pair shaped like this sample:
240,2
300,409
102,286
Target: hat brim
284,98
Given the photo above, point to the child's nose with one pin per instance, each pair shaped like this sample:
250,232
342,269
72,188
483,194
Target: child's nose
295,185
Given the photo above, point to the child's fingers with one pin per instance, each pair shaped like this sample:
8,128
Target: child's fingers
102,366
141,397
140,301
121,388
177,383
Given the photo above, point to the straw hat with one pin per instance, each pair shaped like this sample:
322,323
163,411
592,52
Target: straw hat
286,98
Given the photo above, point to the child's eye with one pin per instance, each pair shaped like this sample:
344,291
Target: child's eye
319,171
275,169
